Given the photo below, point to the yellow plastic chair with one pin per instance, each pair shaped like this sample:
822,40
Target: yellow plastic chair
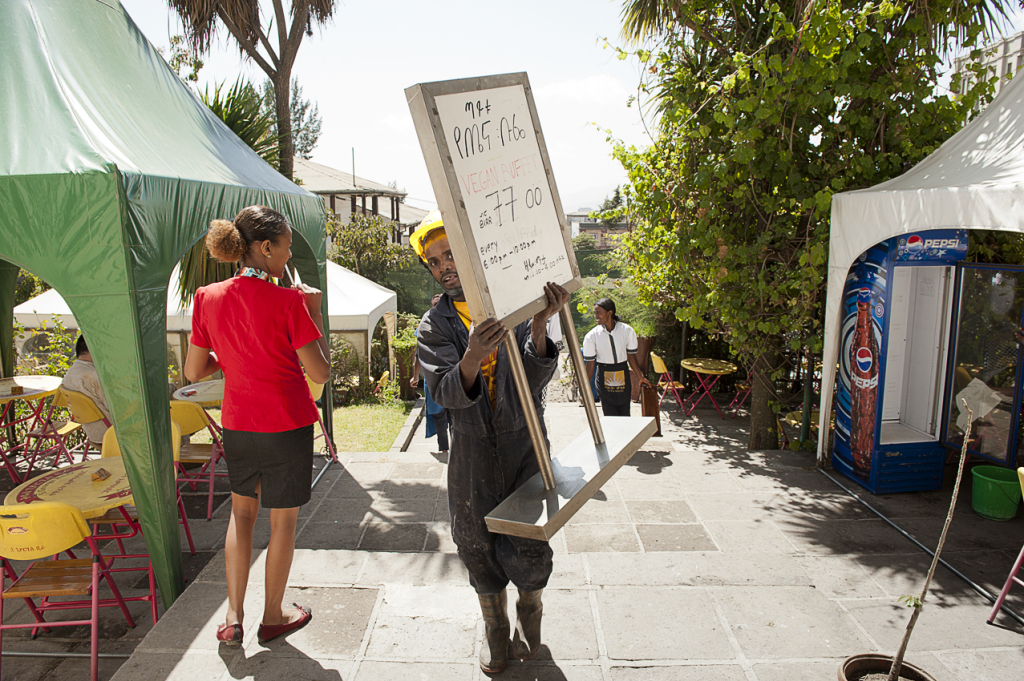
192,418
111,447
36,532
317,391
1012,578
83,410
666,381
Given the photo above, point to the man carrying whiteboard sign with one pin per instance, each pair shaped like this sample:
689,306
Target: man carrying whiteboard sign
467,372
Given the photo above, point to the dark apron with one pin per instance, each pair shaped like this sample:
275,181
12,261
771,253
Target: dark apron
613,382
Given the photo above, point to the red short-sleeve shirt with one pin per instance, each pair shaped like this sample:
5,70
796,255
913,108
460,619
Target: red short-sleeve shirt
255,327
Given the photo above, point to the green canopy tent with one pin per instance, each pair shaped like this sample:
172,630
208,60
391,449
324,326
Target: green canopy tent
110,169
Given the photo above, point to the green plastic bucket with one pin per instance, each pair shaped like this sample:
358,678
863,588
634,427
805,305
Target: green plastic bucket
996,492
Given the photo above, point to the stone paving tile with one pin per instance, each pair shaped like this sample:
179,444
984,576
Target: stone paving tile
423,471
746,536
645,464
192,665
788,622
594,538
695,569
191,623
370,670
414,569
709,481
439,537
411,488
736,505
718,672
568,632
273,665
838,577
403,510
369,474
660,512
340,618
329,536
32,668
842,536
539,671
991,665
344,510
598,511
626,615
904,574
797,671
318,567
426,623
569,571
692,537
959,627
385,536
650,488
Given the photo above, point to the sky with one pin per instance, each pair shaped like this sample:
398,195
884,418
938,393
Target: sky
357,67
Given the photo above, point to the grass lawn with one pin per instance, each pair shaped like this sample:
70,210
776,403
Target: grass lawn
368,427
357,428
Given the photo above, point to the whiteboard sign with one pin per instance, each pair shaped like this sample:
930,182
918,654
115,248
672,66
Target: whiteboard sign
489,167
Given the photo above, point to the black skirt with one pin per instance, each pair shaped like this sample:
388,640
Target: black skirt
282,461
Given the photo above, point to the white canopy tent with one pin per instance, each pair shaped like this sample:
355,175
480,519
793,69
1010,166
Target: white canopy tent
973,181
355,305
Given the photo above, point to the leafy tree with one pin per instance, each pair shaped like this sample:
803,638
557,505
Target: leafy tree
253,32
305,121
184,58
584,242
763,111
363,245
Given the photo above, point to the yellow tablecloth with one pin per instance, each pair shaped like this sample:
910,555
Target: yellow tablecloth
74,485
33,387
701,365
204,393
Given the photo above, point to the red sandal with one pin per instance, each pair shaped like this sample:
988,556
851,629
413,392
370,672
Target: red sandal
230,634
268,632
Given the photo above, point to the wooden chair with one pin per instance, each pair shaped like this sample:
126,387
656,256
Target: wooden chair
36,532
665,380
317,391
191,418
1012,578
111,447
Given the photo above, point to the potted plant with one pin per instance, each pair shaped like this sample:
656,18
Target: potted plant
873,667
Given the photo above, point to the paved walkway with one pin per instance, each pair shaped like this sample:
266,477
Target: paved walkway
698,560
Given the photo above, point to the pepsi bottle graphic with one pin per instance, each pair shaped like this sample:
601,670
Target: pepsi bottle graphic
864,387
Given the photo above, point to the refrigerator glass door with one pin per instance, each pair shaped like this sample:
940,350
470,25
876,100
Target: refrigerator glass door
986,358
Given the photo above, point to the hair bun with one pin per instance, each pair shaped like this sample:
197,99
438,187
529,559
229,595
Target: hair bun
224,242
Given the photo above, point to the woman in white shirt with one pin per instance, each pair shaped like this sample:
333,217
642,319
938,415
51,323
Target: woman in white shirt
612,346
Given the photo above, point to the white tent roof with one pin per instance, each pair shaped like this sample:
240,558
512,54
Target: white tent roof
353,304
973,181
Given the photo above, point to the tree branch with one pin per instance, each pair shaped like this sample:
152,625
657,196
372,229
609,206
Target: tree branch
246,46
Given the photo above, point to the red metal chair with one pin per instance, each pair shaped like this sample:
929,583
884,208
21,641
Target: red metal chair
665,380
1014,571
191,418
36,532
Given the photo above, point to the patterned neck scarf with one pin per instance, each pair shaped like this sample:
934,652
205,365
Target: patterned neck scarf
253,272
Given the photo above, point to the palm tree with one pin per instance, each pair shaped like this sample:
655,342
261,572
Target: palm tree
240,109
252,33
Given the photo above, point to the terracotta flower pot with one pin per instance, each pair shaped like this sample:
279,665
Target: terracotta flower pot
853,668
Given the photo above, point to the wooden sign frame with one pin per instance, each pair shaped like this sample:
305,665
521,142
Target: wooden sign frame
437,152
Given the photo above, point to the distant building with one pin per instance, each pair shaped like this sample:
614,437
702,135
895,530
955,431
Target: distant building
1002,59
580,222
347,194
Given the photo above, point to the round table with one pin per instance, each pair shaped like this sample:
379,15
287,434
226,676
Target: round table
702,366
33,389
74,485
205,393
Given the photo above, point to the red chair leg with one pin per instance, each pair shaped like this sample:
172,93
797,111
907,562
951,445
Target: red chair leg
184,521
94,620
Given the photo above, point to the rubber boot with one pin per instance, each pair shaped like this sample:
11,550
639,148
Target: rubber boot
529,609
494,650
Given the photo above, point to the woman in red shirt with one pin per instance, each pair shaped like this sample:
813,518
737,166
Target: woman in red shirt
259,333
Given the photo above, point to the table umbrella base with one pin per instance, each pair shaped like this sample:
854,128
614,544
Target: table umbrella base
580,470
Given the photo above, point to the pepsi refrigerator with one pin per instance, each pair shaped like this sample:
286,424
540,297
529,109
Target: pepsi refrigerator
895,340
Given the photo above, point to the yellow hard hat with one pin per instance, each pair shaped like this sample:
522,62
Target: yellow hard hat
429,224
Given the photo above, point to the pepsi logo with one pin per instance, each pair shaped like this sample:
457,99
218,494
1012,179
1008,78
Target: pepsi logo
864,359
915,244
